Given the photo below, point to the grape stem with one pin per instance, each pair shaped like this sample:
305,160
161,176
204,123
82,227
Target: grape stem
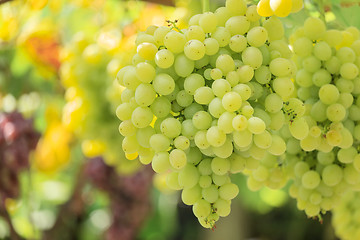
205,6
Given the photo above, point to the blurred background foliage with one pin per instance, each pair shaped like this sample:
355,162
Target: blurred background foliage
58,60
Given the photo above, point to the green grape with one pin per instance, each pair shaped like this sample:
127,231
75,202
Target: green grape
160,162
233,78
274,28
322,51
257,36
237,25
332,175
222,207
204,166
237,163
351,176
190,196
184,99
220,166
311,64
215,136
303,47
143,136
225,122
216,108
163,84
263,140
243,90
231,101
238,43
347,155
194,49
188,176
216,74
318,111
222,36
225,63
246,73
263,75
141,117
333,65
242,138
278,146
130,79
236,7
328,94
188,129
304,78
344,85
159,142
228,191
239,122
161,107
310,179
130,144
349,71
284,87
174,41
208,22
145,94
195,32
314,28
211,46
126,128
147,50
211,193
183,65
273,103
204,95
256,125
202,208
205,181
252,56
164,58
299,128
202,120
346,55
333,37
321,77
172,181
280,67
145,72
171,127
220,87
252,14
336,112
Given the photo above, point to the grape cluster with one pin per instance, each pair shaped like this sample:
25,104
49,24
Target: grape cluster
17,139
129,197
325,161
346,217
89,111
280,8
210,100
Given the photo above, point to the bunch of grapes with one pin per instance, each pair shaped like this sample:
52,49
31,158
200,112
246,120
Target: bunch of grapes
346,217
280,8
89,113
325,161
129,197
17,139
210,100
